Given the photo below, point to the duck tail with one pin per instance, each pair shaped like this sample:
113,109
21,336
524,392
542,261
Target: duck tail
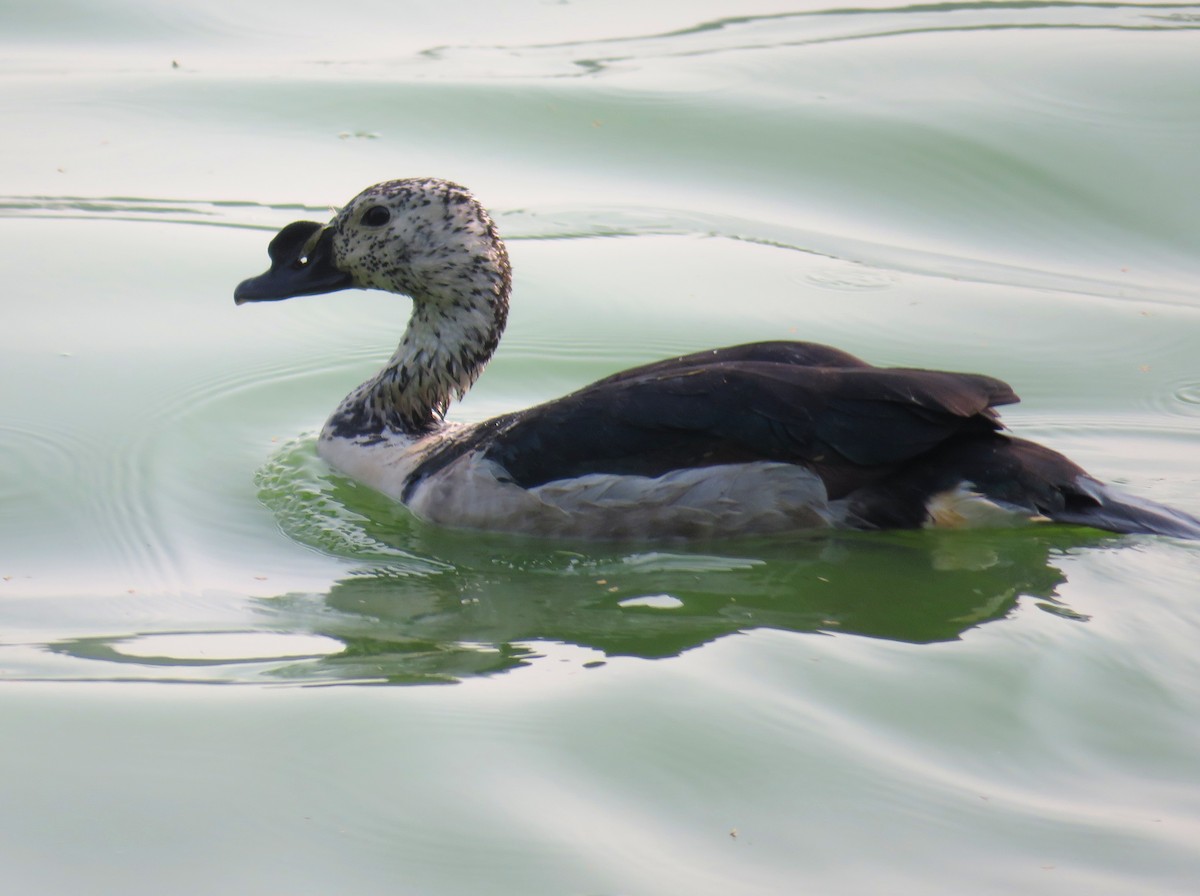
1105,507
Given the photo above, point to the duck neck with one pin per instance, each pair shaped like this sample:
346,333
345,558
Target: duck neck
448,342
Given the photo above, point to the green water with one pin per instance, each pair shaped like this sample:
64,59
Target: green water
1009,188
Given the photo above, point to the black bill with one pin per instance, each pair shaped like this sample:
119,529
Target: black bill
301,265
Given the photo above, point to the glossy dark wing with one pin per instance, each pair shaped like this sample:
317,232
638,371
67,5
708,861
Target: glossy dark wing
850,423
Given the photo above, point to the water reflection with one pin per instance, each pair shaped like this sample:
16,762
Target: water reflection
491,611
426,604
447,606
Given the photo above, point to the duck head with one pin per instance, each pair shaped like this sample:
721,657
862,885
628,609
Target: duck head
423,237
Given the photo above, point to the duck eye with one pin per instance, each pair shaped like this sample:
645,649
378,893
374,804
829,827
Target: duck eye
376,216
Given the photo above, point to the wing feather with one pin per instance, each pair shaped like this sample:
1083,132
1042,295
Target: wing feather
853,419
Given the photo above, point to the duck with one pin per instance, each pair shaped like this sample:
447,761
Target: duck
754,439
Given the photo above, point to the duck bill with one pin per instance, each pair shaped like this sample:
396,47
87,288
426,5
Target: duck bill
301,265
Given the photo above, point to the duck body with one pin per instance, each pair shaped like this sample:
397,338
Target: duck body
752,439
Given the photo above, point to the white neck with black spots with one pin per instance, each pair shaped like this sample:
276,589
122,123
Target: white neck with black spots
436,244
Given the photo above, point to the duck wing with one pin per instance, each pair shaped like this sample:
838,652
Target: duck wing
852,424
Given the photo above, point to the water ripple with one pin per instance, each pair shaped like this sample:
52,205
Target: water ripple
214,213
31,455
738,34
310,504
627,221
1179,398
569,222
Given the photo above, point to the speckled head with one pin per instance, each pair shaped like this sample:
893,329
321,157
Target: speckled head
421,237
425,238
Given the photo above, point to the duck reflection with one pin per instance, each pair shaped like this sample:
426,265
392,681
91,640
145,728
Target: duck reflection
458,605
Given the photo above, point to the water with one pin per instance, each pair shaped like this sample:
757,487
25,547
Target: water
1001,187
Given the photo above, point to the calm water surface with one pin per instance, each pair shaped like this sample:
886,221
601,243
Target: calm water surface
1010,188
